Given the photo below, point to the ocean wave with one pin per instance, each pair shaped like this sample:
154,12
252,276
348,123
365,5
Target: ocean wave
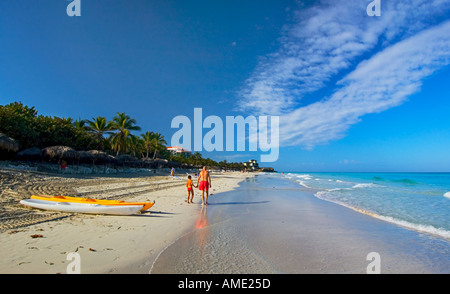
289,176
338,189
342,182
402,181
365,185
305,177
447,194
303,184
417,227
407,181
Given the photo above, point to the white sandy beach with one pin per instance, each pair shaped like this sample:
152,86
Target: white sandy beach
106,244
258,224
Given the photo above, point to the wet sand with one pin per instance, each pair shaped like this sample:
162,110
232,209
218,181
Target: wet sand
106,243
270,225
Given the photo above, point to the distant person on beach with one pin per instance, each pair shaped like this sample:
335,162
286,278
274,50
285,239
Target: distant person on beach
190,189
172,172
63,165
205,183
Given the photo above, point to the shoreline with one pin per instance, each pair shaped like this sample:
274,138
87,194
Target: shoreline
434,229
430,230
272,226
106,244
256,224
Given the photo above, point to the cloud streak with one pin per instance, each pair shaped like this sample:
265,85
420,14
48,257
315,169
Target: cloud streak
330,39
382,82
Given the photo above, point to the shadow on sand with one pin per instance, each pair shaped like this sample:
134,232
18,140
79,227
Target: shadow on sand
154,214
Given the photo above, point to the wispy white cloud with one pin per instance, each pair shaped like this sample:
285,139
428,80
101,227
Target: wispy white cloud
314,49
382,82
327,40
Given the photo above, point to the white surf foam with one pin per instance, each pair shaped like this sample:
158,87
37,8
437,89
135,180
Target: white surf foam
417,227
303,184
366,185
305,177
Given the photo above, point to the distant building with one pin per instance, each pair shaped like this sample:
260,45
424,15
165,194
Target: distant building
252,164
175,150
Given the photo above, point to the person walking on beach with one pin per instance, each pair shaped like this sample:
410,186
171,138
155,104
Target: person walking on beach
190,189
205,183
172,172
63,165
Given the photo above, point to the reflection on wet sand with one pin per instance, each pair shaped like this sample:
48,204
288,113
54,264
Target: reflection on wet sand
202,229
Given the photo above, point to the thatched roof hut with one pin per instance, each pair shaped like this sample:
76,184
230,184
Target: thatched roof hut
33,153
174,164
148,162
101,157
161,163
96,157
8,144
128,160
154,163
60,152
85,157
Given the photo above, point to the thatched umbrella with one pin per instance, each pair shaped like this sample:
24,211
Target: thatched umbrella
111,160
8,144
60,152
162,162
129,160
148,162
101,157
174,164
33,153
85,157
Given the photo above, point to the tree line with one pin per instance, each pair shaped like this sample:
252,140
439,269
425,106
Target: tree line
23,124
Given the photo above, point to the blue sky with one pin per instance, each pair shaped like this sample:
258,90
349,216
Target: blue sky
353,92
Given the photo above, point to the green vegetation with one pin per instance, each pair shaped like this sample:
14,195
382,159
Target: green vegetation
24,125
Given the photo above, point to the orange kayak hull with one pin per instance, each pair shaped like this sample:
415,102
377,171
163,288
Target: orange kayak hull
146,205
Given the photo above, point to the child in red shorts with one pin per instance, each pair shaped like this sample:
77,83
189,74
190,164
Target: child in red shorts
190,189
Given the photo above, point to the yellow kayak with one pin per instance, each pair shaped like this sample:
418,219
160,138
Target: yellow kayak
146,205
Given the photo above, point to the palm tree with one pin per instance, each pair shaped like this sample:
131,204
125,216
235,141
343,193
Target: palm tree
99,126
195,158
157,142
79,124
147,142
135,145
124,125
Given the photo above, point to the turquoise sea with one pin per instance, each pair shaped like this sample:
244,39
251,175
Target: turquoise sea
419,201
278,223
